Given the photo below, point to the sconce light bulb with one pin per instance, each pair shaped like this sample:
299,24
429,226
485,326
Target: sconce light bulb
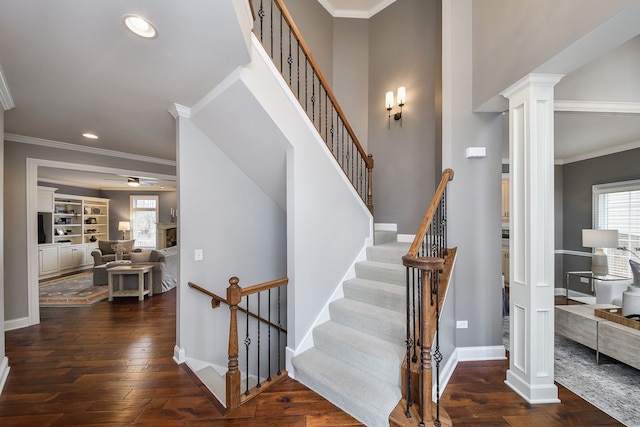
402,95
388,100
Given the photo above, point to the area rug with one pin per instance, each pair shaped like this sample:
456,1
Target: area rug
71,291
611,386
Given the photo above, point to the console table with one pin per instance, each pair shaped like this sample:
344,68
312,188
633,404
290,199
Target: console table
591,279
579,323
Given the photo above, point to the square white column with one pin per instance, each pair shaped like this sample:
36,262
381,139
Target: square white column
531,282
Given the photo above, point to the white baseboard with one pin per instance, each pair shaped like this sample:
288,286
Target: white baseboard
179,355
469,354
406,238
289,353
4,372
379,226
10,325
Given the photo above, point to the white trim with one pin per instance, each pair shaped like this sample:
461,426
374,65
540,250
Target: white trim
530,392
598,153
469,354
324,316
575,253
4,372
178,110
6,100
608,107
289,355
380,226
92,150
355,13
179,355
12,324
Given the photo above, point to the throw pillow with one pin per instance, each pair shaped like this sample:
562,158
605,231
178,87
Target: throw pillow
127,245
105,247
635,270
139,257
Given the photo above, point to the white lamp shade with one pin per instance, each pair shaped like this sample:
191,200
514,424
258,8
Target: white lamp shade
388,100
600,238
124,226
402,95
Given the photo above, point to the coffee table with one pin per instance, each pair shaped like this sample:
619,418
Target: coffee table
579,323
123,270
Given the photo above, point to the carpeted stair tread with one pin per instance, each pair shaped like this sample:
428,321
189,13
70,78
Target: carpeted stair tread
382,272
388,252
366,352
384,236
365,397
386,324
380,294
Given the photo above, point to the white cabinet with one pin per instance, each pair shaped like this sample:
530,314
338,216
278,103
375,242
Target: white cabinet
45,199
48,259
78,219
71,256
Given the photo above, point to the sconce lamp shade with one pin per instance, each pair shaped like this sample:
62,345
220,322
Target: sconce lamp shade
402,95
388,100
599,239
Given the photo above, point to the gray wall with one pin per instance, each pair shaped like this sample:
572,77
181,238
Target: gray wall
578,179
119,208
403,55
508,40
16,154
316,26
2,250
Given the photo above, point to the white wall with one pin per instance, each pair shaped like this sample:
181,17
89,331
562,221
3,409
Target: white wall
241,231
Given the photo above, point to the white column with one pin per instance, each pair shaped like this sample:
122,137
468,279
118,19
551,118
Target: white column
531,156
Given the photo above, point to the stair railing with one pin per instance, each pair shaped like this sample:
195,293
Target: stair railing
425,262
265,364
283,41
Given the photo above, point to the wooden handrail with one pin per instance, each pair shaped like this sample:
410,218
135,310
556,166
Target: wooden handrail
447,175
314,65
216,299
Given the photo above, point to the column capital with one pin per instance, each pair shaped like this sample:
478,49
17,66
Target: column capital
531,80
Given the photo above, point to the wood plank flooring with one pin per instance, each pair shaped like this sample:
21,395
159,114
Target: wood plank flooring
111,365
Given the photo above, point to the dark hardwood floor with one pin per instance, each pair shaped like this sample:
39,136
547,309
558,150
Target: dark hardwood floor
111,365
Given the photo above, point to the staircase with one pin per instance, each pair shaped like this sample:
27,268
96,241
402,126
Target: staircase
358,353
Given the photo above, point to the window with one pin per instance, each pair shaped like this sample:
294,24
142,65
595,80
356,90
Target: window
144,216
616,206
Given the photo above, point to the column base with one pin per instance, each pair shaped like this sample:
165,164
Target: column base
545,393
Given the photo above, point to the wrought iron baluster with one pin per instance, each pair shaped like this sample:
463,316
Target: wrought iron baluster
271,29
279,333
408,342
269,337
247,343
259,328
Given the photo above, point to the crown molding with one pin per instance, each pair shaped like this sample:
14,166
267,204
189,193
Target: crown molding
355,13
6,100
81,148
599,153
178,110
608,107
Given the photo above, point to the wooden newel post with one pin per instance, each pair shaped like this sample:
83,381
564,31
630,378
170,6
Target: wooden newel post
233,373
428,312
370,183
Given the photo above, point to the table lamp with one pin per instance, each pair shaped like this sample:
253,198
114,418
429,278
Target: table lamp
124,226
599,239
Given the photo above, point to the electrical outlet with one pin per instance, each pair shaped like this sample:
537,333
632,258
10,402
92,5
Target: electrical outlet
198,256
462,324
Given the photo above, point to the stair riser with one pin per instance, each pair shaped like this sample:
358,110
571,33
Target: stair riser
392,331
385,369
375,296
382,254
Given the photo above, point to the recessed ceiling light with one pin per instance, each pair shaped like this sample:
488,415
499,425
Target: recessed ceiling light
90,135
140,26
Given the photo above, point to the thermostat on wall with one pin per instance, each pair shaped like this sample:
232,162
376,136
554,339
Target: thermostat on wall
476,152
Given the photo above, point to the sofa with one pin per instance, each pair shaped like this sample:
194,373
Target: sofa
164,262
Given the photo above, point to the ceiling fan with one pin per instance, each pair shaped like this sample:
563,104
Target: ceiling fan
135,181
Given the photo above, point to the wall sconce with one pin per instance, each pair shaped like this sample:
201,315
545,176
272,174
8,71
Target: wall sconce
388,102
